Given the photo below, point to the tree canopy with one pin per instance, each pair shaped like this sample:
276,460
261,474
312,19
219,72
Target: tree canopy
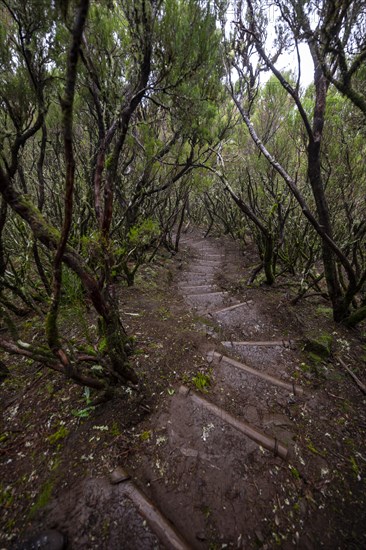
120,119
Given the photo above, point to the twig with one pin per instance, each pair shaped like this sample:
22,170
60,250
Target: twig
335,396
358,382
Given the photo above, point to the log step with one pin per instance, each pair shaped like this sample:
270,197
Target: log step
208,294
230,308
270,443
199,288
205,261
158,523
214,356
268,343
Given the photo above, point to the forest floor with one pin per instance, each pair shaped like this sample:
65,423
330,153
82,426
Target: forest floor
208,454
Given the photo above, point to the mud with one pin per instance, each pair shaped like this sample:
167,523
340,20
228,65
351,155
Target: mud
193,469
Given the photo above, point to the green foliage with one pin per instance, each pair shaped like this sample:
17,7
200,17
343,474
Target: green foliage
194,64
140,238
103,345
83,413
202,381
143,234
58,435
294,472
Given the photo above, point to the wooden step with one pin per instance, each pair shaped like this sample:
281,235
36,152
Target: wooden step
208,294
214,356
205,261
230,308
267,343
157,522
259,437
191,289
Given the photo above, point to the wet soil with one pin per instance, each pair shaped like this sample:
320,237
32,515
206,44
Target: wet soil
194,478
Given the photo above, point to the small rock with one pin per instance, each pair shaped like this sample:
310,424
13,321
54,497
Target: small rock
118,475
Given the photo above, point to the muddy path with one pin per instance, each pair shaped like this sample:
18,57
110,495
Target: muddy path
221,456
242,455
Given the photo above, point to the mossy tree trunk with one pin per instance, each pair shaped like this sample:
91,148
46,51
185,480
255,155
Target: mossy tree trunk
111,325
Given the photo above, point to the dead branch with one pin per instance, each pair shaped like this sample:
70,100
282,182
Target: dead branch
358,382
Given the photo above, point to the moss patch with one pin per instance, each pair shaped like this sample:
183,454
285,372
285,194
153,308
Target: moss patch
319,348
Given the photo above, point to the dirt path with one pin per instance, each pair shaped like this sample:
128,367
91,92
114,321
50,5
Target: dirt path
219,457
229,462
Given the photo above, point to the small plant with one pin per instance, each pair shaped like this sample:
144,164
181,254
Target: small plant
115,430
294,471
202,381
206,510
146,435
82,413
3,437
164,313
85,412
310,445
61,433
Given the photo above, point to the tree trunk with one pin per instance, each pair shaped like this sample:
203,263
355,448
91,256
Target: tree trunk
268,260
330,268
317,185
103,304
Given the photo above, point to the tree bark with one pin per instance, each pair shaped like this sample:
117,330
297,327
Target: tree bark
49,236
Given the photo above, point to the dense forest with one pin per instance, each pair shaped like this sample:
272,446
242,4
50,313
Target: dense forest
141,137
121,119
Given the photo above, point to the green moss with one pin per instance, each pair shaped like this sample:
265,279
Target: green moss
51,329
324,311
294,472
3,437
146,435
61,433
310,445
320,346
6,497
305,368
314,358
356,317
39,225
115,430
43,498
103,345
354,465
